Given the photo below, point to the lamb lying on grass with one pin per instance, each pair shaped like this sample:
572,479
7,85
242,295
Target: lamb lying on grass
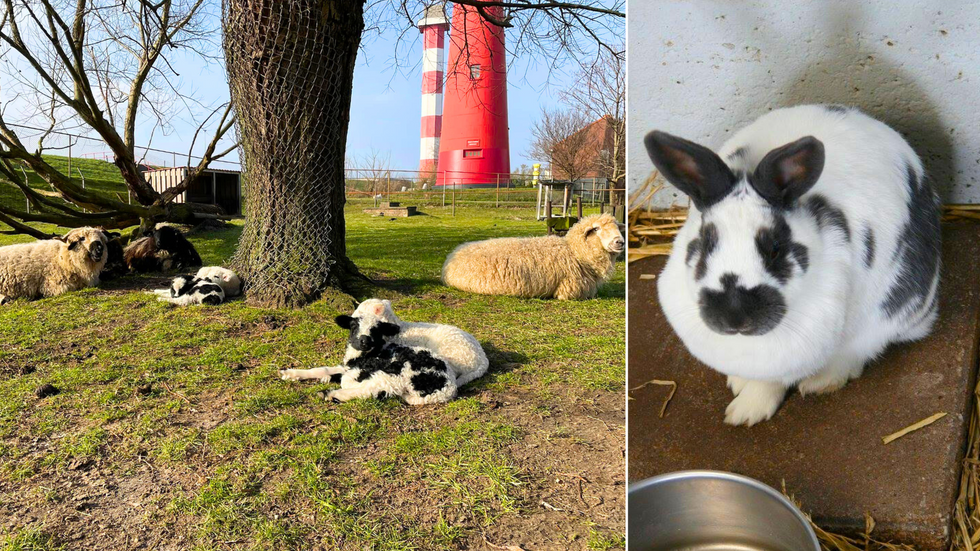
566,268
461,350
376,367
161,250
211,285
51,267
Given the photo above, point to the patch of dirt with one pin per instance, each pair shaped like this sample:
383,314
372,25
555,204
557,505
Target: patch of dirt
578,457
88,506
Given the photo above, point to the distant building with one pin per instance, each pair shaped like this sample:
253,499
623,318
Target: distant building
222,188
600,133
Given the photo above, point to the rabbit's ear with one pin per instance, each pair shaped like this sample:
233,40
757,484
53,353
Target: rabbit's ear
787,172
694,169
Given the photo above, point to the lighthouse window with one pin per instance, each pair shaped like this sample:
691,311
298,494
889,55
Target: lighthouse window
472,153
474,71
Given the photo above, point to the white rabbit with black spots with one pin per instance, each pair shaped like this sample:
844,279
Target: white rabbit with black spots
812,243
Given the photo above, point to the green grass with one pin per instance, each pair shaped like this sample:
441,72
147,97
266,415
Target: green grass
233,454
98,175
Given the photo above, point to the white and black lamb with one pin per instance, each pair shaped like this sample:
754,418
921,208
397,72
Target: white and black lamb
376,367
458,348
211,285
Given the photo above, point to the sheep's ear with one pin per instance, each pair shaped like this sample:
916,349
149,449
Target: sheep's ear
389,329
343,321
379,309
74,244
61,238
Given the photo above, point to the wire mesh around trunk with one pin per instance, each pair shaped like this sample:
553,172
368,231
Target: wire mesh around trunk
290,67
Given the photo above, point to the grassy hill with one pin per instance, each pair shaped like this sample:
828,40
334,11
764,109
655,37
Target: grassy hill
99,175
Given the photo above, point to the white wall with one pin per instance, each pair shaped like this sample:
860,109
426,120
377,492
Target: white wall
702,69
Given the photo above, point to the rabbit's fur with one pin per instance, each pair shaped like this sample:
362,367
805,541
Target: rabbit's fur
812,244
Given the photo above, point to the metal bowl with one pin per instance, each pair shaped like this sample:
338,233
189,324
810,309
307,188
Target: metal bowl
714,511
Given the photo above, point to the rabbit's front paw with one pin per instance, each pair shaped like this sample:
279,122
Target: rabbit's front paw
757,401
736,384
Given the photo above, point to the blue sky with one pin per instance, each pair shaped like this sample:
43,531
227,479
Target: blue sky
386,109
386,106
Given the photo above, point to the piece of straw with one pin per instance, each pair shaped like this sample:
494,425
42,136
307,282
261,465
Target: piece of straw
912,428
647,276
673,389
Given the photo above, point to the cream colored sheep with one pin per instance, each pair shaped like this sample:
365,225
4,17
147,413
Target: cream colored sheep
51,267
568,268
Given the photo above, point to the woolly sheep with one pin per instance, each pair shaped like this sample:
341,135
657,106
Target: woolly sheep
51,267
566,268
376,367
460,349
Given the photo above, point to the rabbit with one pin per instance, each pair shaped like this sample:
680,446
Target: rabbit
812,243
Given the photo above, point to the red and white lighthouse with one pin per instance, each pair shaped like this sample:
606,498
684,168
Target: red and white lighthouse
474,150
433,28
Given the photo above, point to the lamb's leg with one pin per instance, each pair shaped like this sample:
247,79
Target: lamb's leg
351,393
317,373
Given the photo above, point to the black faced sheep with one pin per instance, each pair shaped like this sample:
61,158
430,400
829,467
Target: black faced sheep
375,367
50,267
115,264
161,250
566,268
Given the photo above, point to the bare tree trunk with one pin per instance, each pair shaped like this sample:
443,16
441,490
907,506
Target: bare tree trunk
291,68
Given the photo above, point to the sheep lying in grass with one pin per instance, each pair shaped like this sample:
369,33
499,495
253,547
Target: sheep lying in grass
161,250
211,285
51,267
460,349
566,268
376,367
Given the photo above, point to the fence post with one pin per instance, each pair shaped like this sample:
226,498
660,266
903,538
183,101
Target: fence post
454,199
443,194
566,199
578,203
69,158
498,190
547,214
593,191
